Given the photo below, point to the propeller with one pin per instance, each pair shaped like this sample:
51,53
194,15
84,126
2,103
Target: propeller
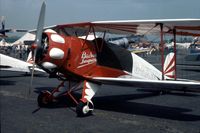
4,30
37,43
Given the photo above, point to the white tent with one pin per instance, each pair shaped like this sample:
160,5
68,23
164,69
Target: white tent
4,43
27,37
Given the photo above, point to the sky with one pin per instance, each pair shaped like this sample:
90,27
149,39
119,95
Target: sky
23,14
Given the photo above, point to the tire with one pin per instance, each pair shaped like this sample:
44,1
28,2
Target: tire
44,99
82,109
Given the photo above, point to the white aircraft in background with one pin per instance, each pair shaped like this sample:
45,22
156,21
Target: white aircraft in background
178,45
191,50
4,30
12,64
194,50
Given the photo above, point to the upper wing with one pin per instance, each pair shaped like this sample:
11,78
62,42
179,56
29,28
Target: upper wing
189,27
142,27
153,84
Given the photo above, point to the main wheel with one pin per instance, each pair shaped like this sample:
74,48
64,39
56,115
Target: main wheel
84,109
44,99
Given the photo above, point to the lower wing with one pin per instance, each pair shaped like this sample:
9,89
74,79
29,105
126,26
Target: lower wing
152,84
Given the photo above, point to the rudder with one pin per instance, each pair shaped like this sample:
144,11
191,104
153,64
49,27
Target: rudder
169,66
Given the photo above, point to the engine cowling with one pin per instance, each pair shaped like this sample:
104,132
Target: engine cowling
52,52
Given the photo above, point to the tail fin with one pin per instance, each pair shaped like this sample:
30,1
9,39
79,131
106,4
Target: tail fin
30,59
169,66
3,25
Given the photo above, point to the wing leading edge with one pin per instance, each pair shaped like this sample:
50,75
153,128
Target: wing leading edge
151,84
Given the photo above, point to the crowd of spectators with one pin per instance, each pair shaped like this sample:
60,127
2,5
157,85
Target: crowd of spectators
16,51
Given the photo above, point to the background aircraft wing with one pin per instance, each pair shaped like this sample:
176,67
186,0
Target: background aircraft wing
13,64
151,84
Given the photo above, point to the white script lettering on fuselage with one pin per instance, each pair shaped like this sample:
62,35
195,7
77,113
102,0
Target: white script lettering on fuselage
87,59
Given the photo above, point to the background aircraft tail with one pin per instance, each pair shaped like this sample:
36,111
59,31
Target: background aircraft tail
169,66
2,25
29,58
4,30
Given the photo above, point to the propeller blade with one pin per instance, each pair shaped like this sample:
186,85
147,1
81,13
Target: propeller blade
40,25
32,73
37,42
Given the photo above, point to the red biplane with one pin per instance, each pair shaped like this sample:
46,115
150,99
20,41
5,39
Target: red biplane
62,52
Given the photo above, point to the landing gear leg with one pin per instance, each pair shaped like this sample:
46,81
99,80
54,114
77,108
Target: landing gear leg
85,107
46,98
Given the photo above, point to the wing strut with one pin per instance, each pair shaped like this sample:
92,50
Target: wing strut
162,49
99,47
174,33
83,47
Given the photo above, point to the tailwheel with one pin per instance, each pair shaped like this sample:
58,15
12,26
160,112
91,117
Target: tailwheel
44,99
84,109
